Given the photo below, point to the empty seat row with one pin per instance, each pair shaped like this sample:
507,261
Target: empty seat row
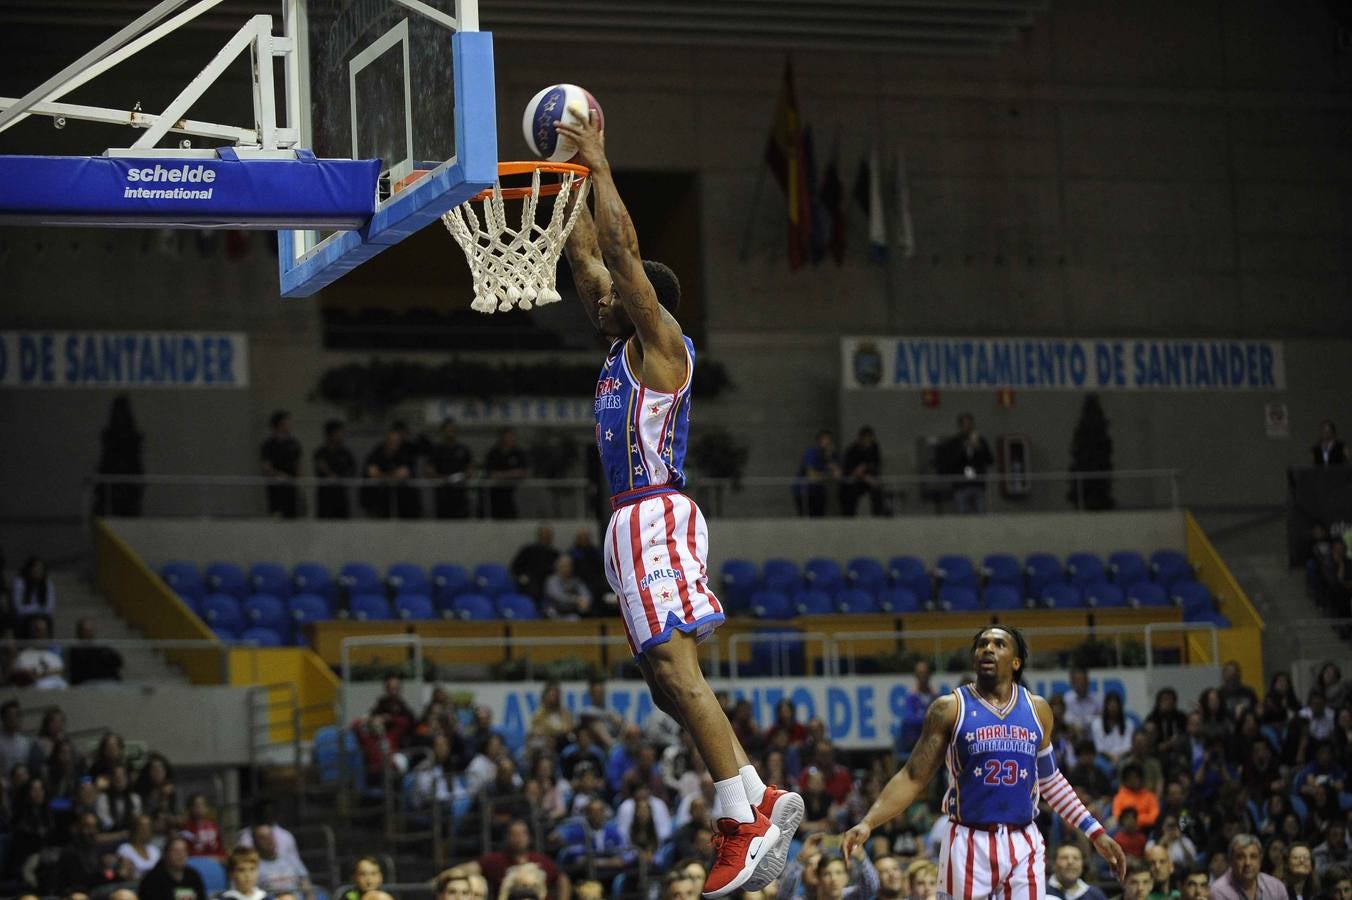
444,581
1125,569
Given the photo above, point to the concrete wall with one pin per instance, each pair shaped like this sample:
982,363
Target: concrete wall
1151,168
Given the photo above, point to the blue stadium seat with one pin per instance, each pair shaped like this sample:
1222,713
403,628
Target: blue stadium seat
781,575
1193,597
1085,568
263,637
475,607
449,580
1211,616
1128,568
369,607
1002,568
1169,566
269,578
184,579
866,573
309,608
1147,593
222,611
910,573
813,603
227,578
898,600
1003,596
328,743
1104,595
517,606
228,635
771,605
955,570
1060,595
266,611
1040,570
857,601
492,579
407,578
414,606
777,651
313,578
824,575
360,578
212,871
739,580
958,598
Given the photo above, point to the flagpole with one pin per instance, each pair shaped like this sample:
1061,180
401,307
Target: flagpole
744,251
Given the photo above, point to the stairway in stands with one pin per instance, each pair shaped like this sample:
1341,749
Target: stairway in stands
77,599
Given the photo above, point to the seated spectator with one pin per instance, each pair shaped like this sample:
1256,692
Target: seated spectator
534,563
836,778
110,753
818,464
1334,850
15,746
1322,719
552,722
368,876
646,773
590,565
1161,873
582,750
159,796
565,595
1138,882
483,767
1112,736
241,867
118,807
278,874
434,776
918,701
922,880
1302,882
556,794
1330,681
1181,849
786,721
139,851
1066,881
604,723
84,863
201,830
694,834
1242,879
891,878
91,662
1335,582
524,882
1337,882
172,878
380,754
1261,772
1236,695
1134,795
1279,703
399,716
1168,721
39,666
32,827
1130,836
678,885
1323,770
282,839
451,884
832,881
517,850
1083,706
33,598
503,797
1329,450
642,804
1196,884
1142,753
820,810
623,756
611,852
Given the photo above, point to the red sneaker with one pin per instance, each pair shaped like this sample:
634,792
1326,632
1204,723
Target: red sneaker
738,848
785,810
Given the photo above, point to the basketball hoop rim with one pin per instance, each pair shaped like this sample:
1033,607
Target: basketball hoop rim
526,166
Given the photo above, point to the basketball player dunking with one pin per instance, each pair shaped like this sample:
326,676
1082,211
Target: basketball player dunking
657,540
996,739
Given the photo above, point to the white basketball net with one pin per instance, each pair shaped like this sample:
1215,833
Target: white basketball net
515,266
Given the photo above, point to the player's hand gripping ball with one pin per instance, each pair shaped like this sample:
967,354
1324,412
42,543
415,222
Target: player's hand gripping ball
558,102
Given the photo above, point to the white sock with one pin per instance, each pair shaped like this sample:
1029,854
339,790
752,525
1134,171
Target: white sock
755,788
732,797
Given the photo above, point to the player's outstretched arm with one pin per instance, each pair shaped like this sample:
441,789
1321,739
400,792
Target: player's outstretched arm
658,331
584,258
907,785
1060,796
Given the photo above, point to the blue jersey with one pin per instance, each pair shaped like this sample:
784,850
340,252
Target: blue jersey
640,432
992,760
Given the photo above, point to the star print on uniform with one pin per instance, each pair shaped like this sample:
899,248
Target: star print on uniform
974,714
609,434
971,735
1023,773
665,595
654,410
657,560
977,771
638,470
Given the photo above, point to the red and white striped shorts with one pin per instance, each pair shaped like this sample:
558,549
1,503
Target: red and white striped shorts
655,552
1004,864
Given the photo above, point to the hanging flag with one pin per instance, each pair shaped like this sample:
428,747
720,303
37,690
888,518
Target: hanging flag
905,233
816,221
877,222
786,156
832,197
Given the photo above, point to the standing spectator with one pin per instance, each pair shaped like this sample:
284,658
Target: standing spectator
534,563
1328,450
968,456
388,467
89,661
15,746
861,470
280,458
1083,706
34,596
452,462
172,878
119,454
1237,696
818,465
565,596
139,851
1243,880
1066,881
505,465
1112,738
201,830
333,462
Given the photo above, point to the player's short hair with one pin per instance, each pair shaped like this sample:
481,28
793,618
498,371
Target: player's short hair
665,284
1020,645
240,855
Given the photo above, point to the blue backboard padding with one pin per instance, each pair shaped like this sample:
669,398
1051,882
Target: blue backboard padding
164,191
476,168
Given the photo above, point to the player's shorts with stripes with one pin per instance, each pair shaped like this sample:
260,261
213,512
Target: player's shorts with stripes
656,546
1002,863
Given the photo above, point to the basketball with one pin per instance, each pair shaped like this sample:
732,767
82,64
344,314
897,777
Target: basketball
549,106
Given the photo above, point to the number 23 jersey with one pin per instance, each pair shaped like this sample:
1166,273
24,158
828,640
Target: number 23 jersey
992,760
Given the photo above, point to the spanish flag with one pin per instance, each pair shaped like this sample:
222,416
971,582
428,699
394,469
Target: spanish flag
786,156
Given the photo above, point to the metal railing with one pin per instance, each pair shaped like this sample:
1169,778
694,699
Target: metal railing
233,496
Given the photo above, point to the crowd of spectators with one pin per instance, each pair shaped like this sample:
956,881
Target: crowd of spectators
28,622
